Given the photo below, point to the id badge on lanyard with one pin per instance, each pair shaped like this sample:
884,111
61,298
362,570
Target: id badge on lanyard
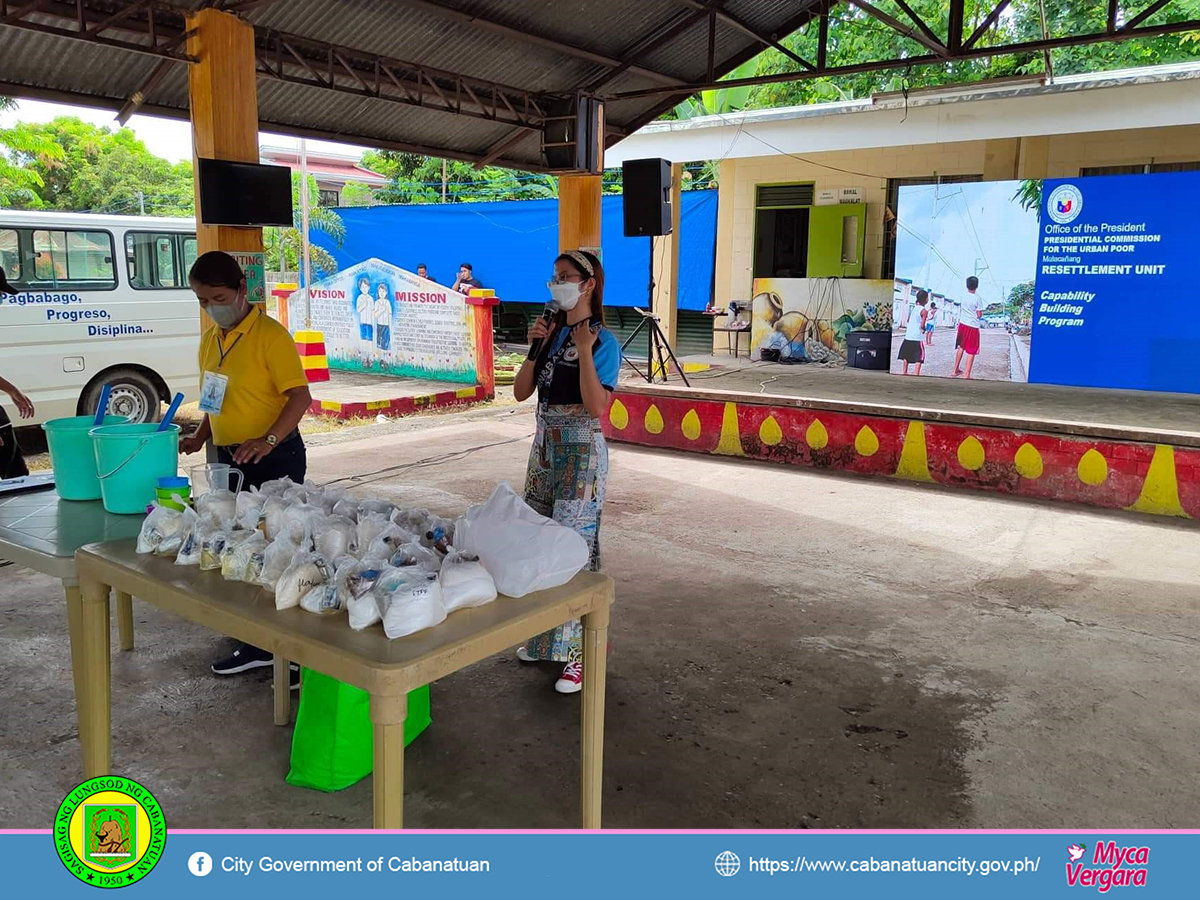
212,392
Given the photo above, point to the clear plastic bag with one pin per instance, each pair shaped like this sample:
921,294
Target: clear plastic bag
387,541
409,600
272,516
439,534
249,509
412,553
384,508
334,537
233,568
465,582
325,599
218,504
276,559
347,508
189,549
276,486
161,524
214,536
370,526
301,522
355,581
245,559
307,571
329,498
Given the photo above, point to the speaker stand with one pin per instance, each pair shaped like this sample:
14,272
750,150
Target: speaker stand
656,344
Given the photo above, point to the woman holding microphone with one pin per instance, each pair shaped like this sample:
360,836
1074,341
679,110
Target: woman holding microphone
573,365
253,394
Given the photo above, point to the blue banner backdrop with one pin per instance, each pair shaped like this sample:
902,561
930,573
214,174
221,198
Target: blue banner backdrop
304,865
512,244
1116,283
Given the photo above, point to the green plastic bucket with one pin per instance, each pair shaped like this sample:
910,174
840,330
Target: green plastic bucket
72,457
129,461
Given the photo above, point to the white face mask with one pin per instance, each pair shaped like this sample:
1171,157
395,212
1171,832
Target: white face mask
228,314
565,293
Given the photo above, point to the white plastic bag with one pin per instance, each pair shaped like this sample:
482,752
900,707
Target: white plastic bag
414,520
522,550
387,541
161,524
189,550
347,507
410,601
325,599
307,571
276,486
465,582
328,498
276,558
370,526
412,553
355,585
301,521
384,508
249,509
334,536
272,516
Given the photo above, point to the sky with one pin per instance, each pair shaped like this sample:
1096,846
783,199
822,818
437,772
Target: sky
168,138
947,232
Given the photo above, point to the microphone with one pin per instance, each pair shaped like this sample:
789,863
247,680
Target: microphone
547,314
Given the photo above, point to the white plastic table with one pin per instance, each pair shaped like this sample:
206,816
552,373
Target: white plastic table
41,531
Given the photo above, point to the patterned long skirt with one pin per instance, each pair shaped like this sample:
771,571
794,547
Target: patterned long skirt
565,480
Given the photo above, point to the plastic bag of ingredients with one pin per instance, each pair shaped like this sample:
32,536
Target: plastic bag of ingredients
189,549
412,553
161,524
230,562
299,493
334,536
331,497
370,526
213,536
249,509
247,558
387,541
372,505
522,550
347,507
325,599
355,584
409,600
278,555
272,516
172,541
300,522
465,582
307,571
438,533
218,504
276,486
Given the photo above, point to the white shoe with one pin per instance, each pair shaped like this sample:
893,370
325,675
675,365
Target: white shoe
571,681
523,655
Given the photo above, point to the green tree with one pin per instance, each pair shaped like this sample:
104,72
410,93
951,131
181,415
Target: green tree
19,184
357,194
101,170
418,179
282,246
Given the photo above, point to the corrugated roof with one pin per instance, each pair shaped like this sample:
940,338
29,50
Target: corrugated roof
50,66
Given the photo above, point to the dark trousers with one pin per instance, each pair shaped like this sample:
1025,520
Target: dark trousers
289,458
12,463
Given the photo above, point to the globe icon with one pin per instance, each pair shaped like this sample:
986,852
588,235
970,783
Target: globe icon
728,863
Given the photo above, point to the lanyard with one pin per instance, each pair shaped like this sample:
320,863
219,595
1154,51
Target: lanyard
221,351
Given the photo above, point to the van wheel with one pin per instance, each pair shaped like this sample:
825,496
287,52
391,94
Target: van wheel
133,396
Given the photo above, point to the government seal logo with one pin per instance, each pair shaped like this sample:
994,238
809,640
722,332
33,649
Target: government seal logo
110,832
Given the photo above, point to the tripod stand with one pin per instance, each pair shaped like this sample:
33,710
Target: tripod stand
656,343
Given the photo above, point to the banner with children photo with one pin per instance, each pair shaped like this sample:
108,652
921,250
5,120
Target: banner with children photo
379,318
801,320
966,261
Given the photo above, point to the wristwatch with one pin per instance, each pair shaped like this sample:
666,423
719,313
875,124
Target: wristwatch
271,440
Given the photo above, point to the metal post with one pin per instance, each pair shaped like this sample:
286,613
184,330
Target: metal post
142,201
304,231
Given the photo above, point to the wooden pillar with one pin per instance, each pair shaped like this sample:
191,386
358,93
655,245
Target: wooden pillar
726,285
666,265
578,212
223,95
1001,158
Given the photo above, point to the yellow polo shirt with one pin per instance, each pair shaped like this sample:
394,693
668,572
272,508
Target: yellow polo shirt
261,363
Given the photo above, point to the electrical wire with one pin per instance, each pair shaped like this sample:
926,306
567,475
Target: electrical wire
427,462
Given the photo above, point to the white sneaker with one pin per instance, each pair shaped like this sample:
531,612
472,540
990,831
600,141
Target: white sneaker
571,681
523,655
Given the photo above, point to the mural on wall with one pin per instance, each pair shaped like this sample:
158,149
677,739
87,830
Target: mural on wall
807,319
379,318
965,270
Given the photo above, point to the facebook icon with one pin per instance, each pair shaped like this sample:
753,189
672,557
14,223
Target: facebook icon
200,864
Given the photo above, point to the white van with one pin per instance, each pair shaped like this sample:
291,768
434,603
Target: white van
103,299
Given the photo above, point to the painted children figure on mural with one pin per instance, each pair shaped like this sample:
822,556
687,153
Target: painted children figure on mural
912,350
364,307
383,318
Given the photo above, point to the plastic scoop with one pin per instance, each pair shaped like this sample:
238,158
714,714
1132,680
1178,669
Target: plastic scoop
171,410
102,406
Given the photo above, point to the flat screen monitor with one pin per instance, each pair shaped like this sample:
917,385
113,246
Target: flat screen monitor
239,193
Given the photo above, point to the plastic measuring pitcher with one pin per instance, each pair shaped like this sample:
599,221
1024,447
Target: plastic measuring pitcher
215,477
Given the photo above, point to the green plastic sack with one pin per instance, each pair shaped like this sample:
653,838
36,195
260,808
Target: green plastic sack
333,744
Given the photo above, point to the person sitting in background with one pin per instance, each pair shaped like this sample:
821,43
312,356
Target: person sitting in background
466,279
424,273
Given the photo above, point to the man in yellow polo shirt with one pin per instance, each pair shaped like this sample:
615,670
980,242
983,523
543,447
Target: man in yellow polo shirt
253,393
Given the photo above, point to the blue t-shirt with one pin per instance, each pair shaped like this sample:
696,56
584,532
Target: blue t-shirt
560,387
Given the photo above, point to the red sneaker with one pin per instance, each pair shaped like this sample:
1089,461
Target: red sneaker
571,681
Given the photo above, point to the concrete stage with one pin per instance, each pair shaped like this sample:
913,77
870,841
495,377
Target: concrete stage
348,395
1119,449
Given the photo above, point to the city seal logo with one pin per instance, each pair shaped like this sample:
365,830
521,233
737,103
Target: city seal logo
110,832
1064,204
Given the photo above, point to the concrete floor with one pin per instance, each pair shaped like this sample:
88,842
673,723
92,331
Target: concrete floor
792,649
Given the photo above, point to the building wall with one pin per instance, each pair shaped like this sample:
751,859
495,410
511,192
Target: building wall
1055,156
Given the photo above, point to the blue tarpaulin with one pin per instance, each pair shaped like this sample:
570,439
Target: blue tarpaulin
512,244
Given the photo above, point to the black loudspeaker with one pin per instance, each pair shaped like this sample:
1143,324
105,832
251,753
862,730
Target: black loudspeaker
572,134
646,189
869,349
